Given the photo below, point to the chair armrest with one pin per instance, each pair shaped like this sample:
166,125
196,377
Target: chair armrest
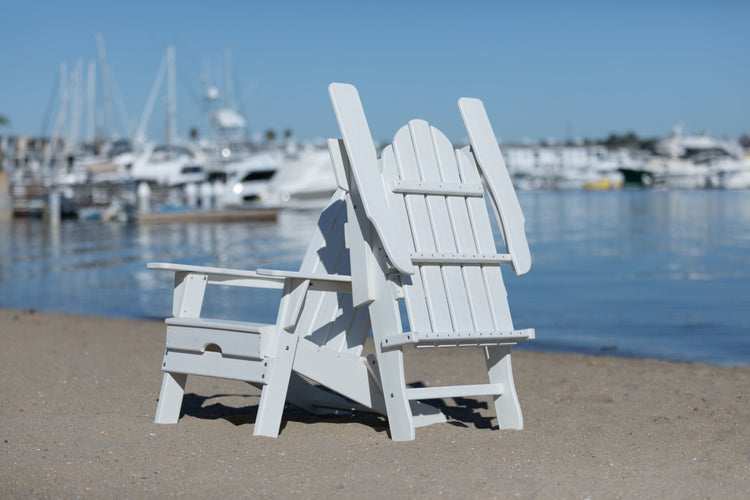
333,278
223,276
262,278
495,172
191,281
328,282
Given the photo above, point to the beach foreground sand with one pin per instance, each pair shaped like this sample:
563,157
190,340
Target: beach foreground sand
79,394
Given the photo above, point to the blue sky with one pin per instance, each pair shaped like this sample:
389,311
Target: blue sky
543,69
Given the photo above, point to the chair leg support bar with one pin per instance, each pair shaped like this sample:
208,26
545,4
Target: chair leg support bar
455,391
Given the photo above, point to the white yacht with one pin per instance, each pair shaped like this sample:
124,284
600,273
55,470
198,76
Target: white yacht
169,165
297,178
676,173
247,178
304,180
734,174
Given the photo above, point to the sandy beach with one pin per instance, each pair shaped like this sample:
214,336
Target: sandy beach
79,394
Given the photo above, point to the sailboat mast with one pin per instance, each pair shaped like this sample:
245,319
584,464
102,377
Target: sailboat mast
91,103
59,122
229,76
171,97
140,133
105,85
76,96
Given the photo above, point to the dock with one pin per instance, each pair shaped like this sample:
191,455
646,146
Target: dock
244,215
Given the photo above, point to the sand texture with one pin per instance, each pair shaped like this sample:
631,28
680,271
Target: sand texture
78,397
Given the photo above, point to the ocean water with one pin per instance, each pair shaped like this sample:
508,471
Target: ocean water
657,274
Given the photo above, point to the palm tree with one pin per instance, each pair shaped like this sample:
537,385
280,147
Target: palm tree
3,121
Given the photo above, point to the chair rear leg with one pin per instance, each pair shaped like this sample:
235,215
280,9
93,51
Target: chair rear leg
170,398
400,420
507,408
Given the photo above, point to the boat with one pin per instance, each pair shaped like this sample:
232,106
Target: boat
304,180
677,173
566,167
246,179
170,165
734,174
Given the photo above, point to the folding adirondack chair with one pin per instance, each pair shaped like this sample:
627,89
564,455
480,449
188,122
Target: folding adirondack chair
318,335
423,234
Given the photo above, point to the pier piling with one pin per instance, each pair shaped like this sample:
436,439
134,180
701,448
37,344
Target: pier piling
6,205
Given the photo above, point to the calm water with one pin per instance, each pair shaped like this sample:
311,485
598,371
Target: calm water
630,273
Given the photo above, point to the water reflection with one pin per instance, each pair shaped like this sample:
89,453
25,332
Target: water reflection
648,273
680,230
662,274
92,268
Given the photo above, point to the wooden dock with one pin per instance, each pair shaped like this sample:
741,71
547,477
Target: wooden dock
209,216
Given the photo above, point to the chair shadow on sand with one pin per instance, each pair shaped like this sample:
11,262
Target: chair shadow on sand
196,406
464,412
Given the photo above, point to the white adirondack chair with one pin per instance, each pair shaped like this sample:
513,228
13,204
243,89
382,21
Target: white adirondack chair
423,235
318,335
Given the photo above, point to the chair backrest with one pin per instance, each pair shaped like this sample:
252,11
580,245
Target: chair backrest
458,286
426,202
330,319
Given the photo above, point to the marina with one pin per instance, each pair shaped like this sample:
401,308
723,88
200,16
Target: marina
288,175
93,169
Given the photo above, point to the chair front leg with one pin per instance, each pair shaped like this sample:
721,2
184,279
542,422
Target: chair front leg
170,398
281,349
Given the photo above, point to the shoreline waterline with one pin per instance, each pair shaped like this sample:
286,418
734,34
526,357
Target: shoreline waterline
642,274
